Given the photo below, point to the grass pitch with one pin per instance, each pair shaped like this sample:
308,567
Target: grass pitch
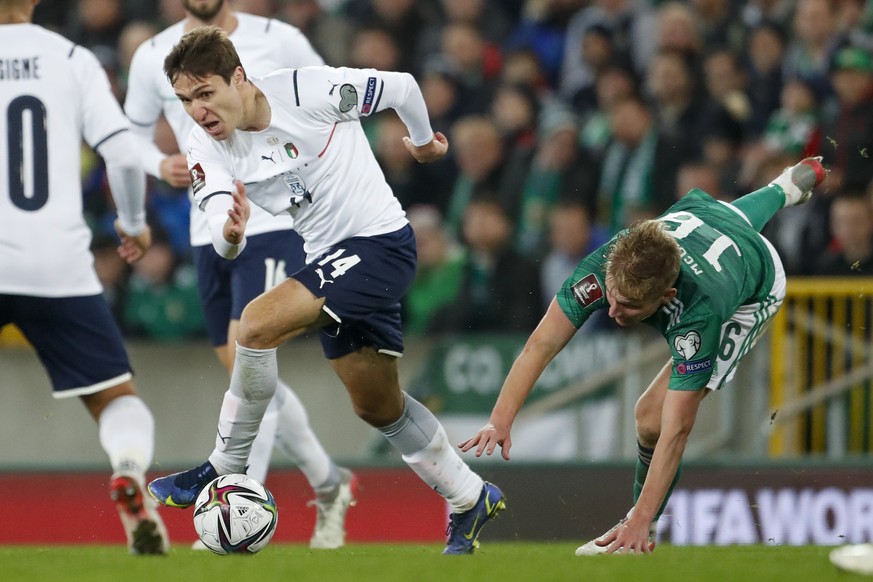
495,562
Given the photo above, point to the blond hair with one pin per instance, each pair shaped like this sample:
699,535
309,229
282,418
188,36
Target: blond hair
643,263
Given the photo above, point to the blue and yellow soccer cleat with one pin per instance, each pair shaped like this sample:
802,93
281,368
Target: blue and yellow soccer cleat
182,489
464,528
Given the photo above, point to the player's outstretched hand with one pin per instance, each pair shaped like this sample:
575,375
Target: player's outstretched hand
429,152
133,248
238,216
488,437
174,171
632,537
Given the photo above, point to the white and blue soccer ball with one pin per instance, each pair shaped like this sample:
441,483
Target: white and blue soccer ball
235,514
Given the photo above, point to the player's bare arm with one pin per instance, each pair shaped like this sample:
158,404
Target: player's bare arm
174,171
133,247
429,152
547,340
677,419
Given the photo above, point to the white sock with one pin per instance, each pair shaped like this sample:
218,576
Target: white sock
442,469
252,386
296,439
262,446
127,433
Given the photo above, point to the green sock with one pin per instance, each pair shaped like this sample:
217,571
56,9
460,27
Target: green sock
761,205
642,469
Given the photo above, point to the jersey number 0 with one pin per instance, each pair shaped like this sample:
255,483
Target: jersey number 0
26,126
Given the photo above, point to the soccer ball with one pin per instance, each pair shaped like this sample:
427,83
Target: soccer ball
235,514
856,558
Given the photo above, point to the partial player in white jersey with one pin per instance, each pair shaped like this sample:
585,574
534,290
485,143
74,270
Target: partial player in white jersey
225,286
54,95
294,140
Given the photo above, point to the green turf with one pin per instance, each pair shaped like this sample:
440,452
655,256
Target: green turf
495,562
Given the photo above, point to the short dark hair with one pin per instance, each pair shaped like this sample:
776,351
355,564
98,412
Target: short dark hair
203,52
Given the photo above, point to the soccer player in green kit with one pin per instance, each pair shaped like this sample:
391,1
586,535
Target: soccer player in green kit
703,276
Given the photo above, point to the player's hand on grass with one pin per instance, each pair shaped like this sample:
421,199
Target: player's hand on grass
133,247
238,215
429,152
174,171
488,437
629,538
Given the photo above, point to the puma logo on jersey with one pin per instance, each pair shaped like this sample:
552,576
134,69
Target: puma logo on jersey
270,157
324,281
332,87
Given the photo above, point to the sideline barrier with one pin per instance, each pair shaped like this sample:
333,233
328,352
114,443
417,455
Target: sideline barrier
819,377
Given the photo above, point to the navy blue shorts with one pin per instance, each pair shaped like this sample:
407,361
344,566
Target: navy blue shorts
363,280
76,338
227,286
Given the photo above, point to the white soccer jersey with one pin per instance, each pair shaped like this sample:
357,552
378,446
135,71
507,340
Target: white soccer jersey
52,95
264,45
314,161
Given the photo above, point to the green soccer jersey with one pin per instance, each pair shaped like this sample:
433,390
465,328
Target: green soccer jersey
725,264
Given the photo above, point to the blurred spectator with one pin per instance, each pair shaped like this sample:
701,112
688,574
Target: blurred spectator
791,131
813,43
572,235
676,102
412,183
638,177
678,31
515,112
764,52
486,16
613,85
438,276
442,93
851,250
598,54
701,175
476,63
632,24
97,23
373,47
112,271
265,8
847,125
720,24
500,290
726,83
756,12
329,32
162,302
558,176
543,28
132,35
480,158
403,20
793,128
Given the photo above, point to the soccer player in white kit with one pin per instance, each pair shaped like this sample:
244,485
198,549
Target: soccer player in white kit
54,95
293,141
227,286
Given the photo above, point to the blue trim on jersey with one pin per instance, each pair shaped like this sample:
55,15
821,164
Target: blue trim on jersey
379,97
296,93
208,196
108,137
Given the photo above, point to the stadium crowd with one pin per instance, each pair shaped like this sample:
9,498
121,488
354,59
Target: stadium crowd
567,120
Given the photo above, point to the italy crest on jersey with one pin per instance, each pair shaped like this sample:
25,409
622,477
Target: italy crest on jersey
299,193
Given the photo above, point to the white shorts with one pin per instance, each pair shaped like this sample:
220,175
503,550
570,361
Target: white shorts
742,331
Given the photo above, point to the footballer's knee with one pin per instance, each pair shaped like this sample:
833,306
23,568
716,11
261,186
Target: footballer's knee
648,422
97,402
